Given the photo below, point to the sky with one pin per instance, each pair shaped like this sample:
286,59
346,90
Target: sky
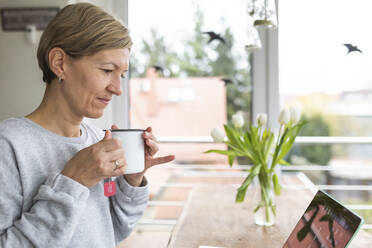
311,55
175,20
311,33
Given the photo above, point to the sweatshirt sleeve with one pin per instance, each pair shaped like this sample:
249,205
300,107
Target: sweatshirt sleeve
127,207
51,220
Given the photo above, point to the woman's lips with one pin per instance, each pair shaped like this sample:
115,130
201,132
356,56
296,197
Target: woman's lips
104,101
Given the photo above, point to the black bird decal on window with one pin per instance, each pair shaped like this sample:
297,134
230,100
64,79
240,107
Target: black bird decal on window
214,36
352,48
227,81
158,68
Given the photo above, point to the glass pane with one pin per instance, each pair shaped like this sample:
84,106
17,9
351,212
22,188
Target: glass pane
319,73
332,86
331,81
183,80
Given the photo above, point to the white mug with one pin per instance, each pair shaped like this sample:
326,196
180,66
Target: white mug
134,148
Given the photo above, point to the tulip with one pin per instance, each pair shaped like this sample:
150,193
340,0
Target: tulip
261,119
295,114
238,120
284,117
218,135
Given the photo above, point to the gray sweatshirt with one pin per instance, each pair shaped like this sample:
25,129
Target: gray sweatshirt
39,207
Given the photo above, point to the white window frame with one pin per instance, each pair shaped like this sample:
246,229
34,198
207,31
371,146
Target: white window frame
118,110
265,77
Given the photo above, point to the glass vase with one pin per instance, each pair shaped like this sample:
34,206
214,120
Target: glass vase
264,210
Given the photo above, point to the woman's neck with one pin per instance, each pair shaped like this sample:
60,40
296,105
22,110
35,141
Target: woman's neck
55,115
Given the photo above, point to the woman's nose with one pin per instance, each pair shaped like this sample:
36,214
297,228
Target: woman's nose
115,87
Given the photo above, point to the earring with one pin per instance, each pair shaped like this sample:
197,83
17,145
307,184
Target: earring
60,80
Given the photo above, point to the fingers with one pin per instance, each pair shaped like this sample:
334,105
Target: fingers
115,155
119,171
110,145
111,169
162,160
113,151
151,147
113,147
107,135
150,141
149,135
112,157
121,163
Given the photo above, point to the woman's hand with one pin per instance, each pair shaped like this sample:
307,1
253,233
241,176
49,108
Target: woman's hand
151,148
97,162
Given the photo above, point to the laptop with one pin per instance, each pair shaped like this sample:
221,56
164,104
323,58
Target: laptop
325,224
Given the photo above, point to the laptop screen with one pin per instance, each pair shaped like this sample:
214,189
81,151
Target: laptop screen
325,223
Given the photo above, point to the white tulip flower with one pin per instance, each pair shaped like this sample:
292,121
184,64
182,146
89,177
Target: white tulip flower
218,135
295,114
284,116
238,120
261,119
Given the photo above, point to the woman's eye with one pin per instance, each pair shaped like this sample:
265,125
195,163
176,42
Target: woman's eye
107,70
122,76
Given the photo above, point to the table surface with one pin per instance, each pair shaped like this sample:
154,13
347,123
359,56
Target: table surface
212,218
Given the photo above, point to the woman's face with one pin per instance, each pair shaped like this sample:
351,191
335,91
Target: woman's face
91,81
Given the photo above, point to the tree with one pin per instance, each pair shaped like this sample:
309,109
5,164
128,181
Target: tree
239,92
315,154
200,59
156,52
195,61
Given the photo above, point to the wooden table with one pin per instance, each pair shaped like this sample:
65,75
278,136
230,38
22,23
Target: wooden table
212,218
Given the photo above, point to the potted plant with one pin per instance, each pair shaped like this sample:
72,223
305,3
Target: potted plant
265,150
263,13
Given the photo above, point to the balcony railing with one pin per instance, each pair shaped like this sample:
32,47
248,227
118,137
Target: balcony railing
309,140
202,170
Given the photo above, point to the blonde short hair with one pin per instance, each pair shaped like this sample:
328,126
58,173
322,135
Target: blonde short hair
80,29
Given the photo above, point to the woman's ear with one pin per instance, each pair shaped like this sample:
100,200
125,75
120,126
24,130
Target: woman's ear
57,62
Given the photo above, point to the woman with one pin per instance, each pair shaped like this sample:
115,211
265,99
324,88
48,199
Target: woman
52,163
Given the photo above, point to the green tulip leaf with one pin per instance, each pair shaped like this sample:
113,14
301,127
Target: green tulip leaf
283,162
247,181
273,209
223,152
268,145
234,138
276,184
231,159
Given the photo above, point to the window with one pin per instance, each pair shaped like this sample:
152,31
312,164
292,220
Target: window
182,83
333,88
